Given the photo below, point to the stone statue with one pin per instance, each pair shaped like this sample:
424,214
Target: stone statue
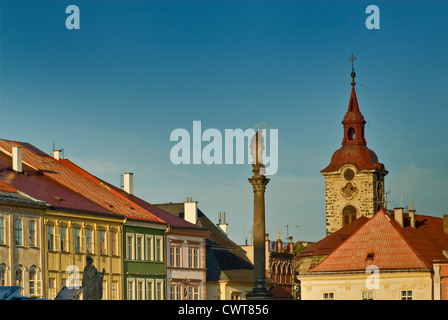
258,154
92,281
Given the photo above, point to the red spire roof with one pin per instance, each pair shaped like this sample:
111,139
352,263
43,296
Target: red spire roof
354,148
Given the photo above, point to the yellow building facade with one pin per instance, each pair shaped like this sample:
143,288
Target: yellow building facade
72,236
367,286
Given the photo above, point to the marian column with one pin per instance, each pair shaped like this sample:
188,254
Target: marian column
259,182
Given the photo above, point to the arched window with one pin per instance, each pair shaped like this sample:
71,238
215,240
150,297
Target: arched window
348,214
18,232
33,281
32,233
351,134
19,276
2,275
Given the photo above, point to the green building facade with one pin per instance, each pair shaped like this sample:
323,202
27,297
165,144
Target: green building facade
144,260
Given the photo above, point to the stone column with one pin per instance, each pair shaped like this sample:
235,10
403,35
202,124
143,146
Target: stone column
259,183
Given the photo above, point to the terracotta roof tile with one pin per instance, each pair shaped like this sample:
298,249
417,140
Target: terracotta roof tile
391,246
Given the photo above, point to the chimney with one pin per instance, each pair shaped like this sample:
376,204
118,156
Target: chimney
445,223
17,159
191,211
279,243
57,154
398,214
291,245
222,222
128,182
412,215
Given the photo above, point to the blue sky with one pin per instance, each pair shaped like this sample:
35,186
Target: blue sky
111,93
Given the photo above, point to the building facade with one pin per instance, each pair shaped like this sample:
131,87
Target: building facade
144,260
22,260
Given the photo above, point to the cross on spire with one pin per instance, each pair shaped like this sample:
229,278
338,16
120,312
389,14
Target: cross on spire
352,60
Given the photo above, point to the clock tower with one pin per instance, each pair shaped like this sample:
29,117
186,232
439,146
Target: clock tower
354,179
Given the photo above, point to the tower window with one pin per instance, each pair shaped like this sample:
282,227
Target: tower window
348,214
351,134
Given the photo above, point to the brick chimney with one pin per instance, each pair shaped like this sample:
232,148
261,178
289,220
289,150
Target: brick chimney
291,245
17,159
398,214
191,211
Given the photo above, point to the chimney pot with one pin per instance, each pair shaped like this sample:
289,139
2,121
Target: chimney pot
17,158
412,215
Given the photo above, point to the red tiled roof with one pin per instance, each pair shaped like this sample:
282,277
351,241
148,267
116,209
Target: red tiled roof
45,189
391,246
102,194
328,244
76,180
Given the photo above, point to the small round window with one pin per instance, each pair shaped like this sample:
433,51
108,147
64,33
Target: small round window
349,174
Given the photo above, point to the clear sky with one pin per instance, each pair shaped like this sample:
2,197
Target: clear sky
112,92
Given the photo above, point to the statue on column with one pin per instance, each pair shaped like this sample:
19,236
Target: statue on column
257,147
92,281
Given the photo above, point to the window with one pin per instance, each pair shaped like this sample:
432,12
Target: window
149,248
140,289
114,290
89,241
367,295
19,277
193,292
2,230
175,256
351,134
406,295
348,214
77,240
140,247
159,249
64,239
2,275
113,243
193,257
32,233
18,232
51,288
149,289
328,295
131,289
50,237
176,291
235,295
32,281
102,242
130,246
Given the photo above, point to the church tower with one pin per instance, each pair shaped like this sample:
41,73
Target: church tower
354,179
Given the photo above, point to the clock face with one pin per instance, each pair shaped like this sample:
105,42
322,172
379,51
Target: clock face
349,174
